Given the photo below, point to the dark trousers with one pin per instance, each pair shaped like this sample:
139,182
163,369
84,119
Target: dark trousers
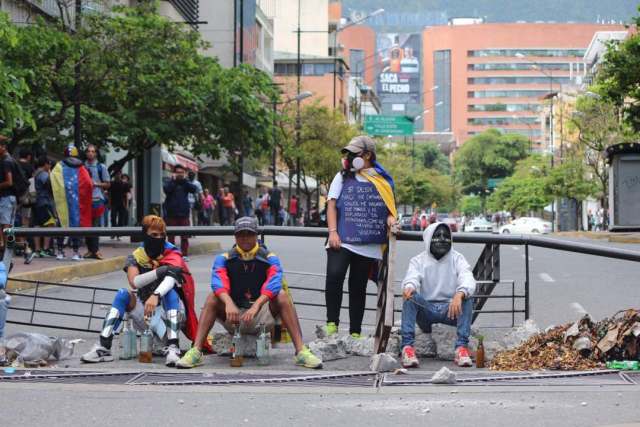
93,243
119,216
184,240
338,261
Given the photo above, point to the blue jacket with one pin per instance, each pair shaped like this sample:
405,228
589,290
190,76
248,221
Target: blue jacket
177,192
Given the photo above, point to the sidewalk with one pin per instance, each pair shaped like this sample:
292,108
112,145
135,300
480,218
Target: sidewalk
602,235
113,251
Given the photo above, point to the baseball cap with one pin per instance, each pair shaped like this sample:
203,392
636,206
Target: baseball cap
246,223
359,144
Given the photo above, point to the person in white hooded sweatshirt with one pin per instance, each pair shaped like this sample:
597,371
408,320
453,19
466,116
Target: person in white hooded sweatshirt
438,288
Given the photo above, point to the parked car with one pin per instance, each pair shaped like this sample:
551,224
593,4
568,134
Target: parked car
479,224
405,223
527,225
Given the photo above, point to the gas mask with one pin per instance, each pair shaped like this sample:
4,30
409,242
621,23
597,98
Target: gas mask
153,246
440,242
353,162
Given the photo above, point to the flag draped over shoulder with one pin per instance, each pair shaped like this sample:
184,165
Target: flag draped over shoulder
72,188
385,186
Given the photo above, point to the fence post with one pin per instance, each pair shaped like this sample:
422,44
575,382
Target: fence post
526,282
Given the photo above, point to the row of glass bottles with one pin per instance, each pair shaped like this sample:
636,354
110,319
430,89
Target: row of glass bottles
129,343
262,348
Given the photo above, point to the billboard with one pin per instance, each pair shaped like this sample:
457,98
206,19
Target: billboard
399,68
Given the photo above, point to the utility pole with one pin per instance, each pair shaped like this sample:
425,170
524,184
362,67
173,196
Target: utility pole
298,125
77,120
274,153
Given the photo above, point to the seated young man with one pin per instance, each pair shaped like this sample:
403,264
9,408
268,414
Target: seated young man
157,274
246,284
438,288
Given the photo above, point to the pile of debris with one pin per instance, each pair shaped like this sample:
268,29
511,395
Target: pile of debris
583,345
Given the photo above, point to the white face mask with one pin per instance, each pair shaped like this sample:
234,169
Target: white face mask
357,163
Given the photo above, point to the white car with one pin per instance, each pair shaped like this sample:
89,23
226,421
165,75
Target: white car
479,225
527,225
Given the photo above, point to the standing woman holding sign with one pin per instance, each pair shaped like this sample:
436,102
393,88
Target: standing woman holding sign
360,212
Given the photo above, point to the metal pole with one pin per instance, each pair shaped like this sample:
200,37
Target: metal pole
77,119
335,65
553,203
526,282
274,153
413,151
298,74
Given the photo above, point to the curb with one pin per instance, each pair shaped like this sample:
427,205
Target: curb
68,272
608,236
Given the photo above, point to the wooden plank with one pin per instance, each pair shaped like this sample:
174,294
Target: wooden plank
390,291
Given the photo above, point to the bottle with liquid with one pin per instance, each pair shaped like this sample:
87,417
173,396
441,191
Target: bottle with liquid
262,347
125,340
133,341
237,360
480,354
146,347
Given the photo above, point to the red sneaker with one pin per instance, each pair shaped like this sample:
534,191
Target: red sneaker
463,358
409,359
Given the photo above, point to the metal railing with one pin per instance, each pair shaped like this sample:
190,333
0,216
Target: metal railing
487,270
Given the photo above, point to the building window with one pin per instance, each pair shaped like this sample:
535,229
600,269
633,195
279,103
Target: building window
560,66
504,107
507,93
482,121
356,62
527,52
516,80
442,94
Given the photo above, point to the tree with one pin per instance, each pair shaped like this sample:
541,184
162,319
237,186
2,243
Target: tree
489,154
13,88
526,190
470,205
432,157
618,79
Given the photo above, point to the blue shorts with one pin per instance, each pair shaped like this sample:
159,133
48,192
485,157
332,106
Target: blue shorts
8,207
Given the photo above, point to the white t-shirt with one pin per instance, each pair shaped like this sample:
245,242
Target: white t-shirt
371,250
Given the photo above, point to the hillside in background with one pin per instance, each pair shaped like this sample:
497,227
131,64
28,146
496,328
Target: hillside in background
410,15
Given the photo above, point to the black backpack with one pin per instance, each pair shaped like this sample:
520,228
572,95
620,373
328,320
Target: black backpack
20,181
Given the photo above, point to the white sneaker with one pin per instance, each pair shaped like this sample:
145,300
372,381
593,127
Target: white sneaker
60,256
76,257
173,355
97,354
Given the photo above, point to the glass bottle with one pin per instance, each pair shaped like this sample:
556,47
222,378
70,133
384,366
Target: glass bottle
133,341
237,360
262,347
146,346
480,354
125,340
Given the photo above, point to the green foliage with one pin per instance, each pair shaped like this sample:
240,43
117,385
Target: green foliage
417,186
489,154
470,205
569,180
619,77
432,157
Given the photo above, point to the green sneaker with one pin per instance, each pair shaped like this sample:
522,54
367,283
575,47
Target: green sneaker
331,328
191,359
356,336
307,359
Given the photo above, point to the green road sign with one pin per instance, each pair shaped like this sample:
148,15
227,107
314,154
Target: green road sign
388,125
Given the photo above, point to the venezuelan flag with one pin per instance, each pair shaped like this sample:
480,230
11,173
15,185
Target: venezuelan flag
72,188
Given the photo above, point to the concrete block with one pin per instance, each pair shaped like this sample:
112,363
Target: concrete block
444,376
383,362
328,349
222,344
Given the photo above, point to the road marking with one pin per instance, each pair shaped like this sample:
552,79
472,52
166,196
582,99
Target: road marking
546,277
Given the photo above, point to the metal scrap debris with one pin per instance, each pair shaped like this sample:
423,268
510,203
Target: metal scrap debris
582,345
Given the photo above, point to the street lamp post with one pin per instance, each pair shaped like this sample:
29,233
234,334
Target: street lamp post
550,96
335,47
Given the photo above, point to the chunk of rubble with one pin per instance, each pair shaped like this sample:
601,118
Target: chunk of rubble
328,349
444,376
222,344
383,362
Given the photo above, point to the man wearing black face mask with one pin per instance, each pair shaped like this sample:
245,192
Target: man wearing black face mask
438,288
157,275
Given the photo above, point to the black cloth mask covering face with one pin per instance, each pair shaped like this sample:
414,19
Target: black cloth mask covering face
440,242
154,246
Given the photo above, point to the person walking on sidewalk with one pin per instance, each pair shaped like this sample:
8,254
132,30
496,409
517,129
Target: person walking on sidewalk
72,188
101,183
247,292
438,288
8,203
356,238
118,191
208,207
229,206
44,211
25,204
274,205
176,203
195,199
157,275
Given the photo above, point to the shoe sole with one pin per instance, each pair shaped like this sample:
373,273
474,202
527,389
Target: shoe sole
100,360
304,365
411,365
464,364
179,366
